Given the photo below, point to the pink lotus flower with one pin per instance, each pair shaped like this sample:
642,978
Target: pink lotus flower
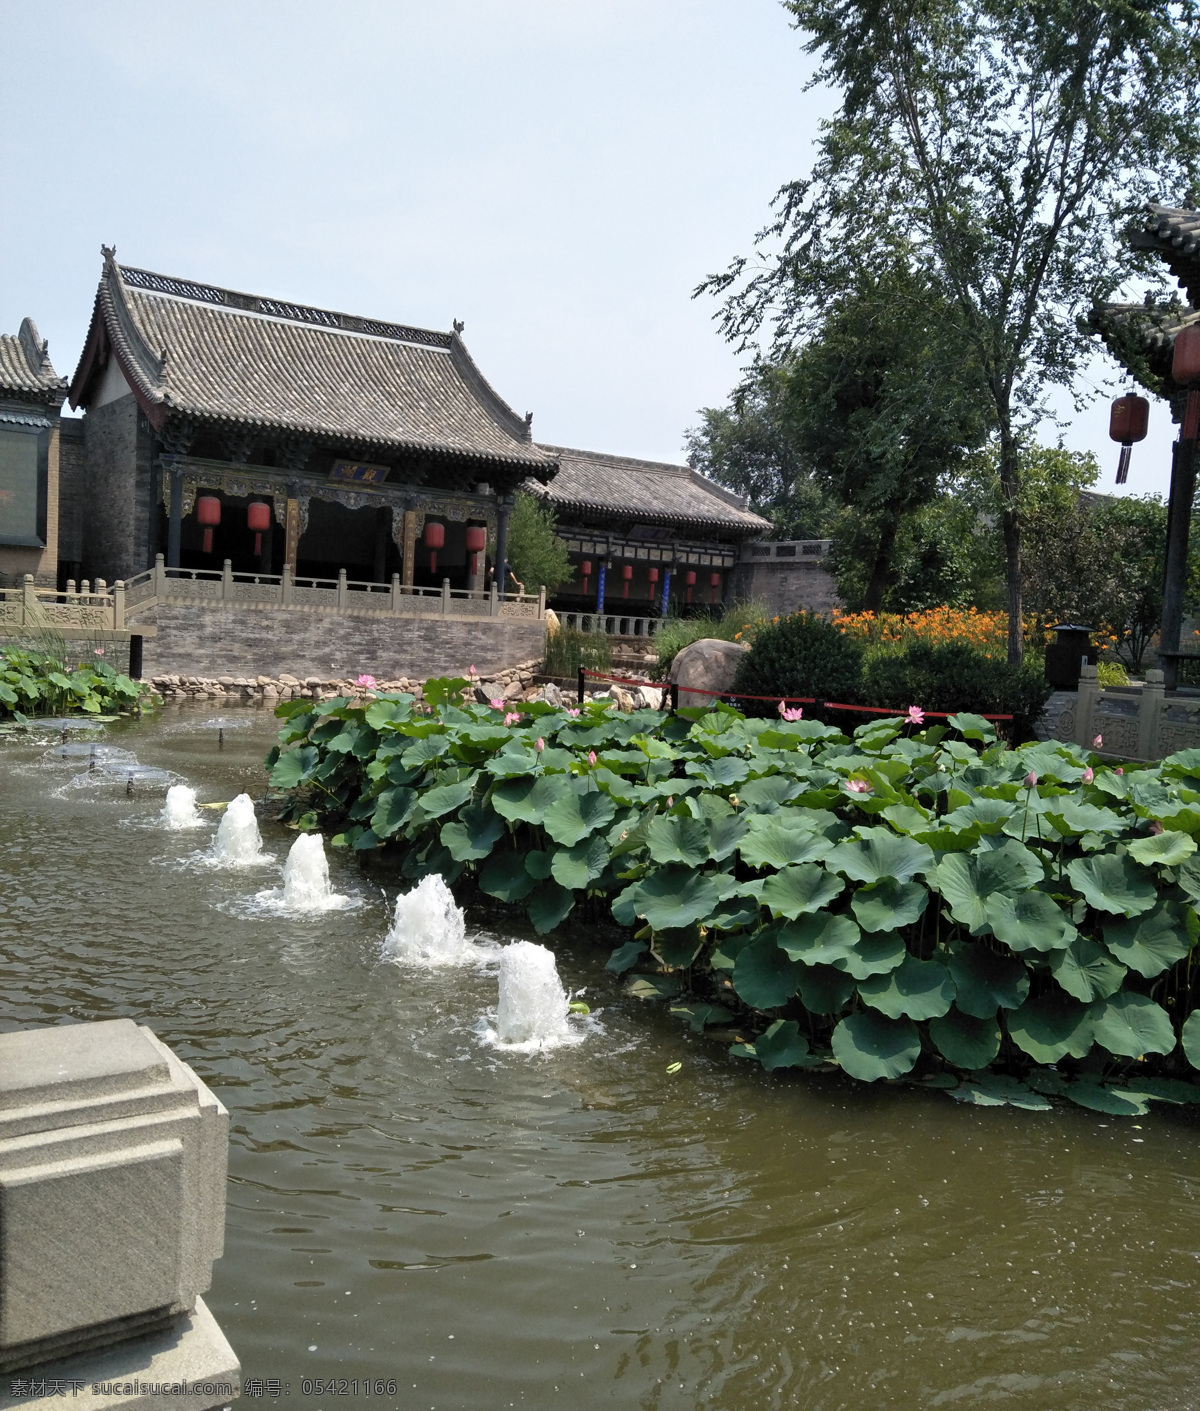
1097,742
511,718
98,651
541,744
916,716
591,756
574,714
497,703
858,786
1030,780
781,707
365,681
472,671
796,714
1088,775
1156,827
1118,770
671,801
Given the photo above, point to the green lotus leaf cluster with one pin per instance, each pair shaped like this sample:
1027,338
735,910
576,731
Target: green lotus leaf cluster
896,902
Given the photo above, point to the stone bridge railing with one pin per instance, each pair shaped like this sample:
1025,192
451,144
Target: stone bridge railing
90,608
1142,722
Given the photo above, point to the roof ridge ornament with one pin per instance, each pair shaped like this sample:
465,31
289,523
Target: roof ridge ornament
458,325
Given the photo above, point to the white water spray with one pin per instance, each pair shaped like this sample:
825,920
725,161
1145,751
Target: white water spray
532,1013
429,927
179,811
306,885
239,843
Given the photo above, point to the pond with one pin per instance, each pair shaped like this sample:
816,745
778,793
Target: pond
582,1227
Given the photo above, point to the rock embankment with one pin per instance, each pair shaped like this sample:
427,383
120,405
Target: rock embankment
516,683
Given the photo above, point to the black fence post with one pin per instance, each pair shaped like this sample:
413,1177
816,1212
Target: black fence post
135,656
674,698
579,687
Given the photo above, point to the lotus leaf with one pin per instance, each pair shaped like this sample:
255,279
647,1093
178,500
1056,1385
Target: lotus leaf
1111,883
504,876
1049,1026
964,1040
469,837
1190,1038
1131,1025
781,1046
873,955
980,816
294,766
796,890
886,905
699,1016
724,833
1164,849
1031,921
966,881
625,957
522,800
676,896
538,863
580,864
1173,1090
1086,971
771,841
985,981
870,1046
719,773
572,816
549,906
819,940
763,975
736,912
1119,1102
1071,817
445,798
906,818
424,751
677,949
1184,762
973,727
877,853
678,839
824,989
916,989
996,1090
1151,943
653,987
767,794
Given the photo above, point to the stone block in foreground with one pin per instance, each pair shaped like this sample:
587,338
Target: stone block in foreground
112,1209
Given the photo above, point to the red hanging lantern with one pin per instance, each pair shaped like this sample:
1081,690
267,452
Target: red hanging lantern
714,582
1127,423
690,580
585,570
258,519
652,575
208,513
627,575
435,538
476,543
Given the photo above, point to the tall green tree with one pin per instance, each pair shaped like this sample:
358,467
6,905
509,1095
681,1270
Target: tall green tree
537,557
997,147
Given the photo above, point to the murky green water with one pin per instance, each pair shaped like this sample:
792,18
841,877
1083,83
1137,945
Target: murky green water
580,1229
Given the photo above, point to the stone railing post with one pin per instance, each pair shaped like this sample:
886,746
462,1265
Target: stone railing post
227,580
160,577
394,600
113,1160
118,617
100,589
287,584
1085,708
493,601
542,602
342,590
445,596
1149,712
29,602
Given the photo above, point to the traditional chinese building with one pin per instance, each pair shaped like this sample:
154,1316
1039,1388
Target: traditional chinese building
31,394
367,446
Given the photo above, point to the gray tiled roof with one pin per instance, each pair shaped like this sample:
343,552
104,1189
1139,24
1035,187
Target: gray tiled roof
650,492
25,367
1174,233
220,356
1141,337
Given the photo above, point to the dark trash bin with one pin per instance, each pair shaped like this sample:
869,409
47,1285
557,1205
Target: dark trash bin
1067,653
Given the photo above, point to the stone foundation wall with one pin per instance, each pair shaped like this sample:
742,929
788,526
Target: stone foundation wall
247,642
784,585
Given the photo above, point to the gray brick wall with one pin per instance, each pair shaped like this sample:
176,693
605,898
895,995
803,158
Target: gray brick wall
252,641
785,585
71,491
117,491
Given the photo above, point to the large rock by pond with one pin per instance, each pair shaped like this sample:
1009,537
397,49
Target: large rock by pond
708,665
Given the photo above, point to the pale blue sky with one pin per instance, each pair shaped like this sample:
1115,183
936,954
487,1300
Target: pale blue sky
558,174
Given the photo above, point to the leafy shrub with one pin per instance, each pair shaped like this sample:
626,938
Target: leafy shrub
899,902
567,650
801,655
1112,673
537,557
41,683
954,678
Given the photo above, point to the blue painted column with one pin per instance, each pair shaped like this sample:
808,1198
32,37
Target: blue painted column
600,590
666,591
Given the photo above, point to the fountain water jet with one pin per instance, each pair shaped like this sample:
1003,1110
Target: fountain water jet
239,843
179,811
306,885
532,1012
428,927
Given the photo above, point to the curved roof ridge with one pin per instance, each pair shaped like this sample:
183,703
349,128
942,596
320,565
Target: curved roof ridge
25,367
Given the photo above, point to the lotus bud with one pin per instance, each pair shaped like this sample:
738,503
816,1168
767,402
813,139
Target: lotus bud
1156,827
1030,780
1097,742
1088,775
541,744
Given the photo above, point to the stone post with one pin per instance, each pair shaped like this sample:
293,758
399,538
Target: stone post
1149,710
1085,708
445,596
29,602
395,598
287,584
160,577
112,1195
227,580
118,619
493,600
542,602
341,589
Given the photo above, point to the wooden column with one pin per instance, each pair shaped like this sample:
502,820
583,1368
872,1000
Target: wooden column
1179,517
291,532
410,546
174,517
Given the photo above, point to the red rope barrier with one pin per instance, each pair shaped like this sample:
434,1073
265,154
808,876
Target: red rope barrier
742,696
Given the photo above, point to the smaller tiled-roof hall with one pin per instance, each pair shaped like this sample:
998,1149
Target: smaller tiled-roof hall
196,391
31,394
